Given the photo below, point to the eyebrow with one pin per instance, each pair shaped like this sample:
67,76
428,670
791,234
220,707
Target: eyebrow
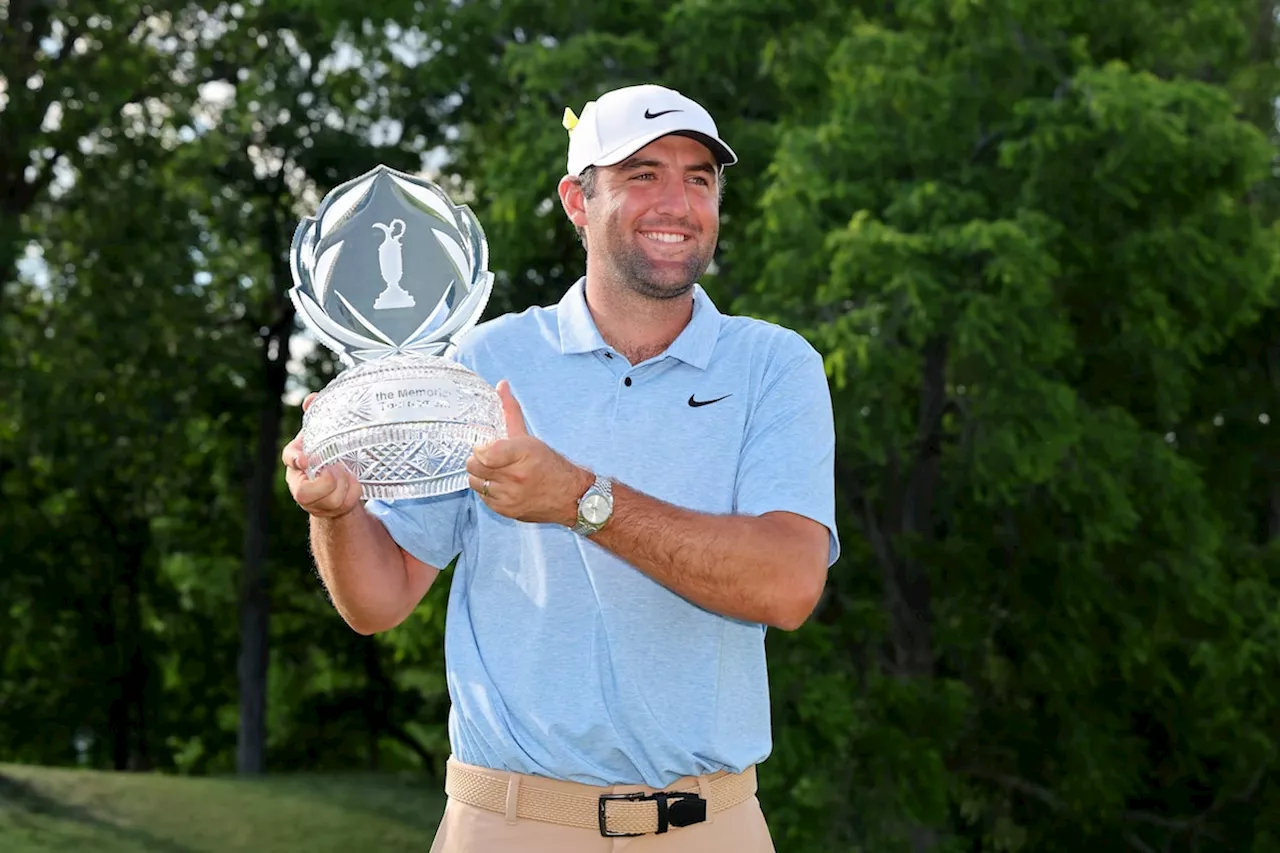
637,163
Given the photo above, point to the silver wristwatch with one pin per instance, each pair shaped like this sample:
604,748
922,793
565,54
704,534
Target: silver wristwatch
595,507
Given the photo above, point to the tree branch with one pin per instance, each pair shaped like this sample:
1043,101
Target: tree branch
865,514
1138,844
105,517
1195,825
985,142
402,736
1022,786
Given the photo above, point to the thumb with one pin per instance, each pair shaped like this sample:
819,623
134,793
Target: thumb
511,411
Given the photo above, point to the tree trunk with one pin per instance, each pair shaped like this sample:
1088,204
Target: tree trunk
910,593
1273,511
376,700
8,254
906,516
134,678
119,629
255,609
112,635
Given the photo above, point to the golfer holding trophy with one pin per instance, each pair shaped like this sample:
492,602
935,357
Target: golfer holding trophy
631,487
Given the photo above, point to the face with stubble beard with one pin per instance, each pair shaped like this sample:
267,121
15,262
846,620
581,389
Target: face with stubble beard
653,220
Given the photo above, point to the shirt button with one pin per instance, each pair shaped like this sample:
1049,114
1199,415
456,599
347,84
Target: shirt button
627,381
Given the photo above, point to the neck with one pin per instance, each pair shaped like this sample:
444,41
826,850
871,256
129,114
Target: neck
636,326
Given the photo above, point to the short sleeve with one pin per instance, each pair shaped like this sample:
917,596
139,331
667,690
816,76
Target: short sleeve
788,457
429,529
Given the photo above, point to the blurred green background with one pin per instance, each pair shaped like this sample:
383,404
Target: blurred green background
1034,239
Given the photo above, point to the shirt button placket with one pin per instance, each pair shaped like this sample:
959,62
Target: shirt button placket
620,402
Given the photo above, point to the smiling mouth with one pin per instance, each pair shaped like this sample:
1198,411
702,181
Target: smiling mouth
664,237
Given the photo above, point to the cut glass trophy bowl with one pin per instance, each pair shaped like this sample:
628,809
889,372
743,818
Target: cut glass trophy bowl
389,274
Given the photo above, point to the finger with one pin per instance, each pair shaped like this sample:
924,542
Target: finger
355,491
337,501
511,410
343,495
294,479
483,486
292,455
310,398
311,491
496,454
479,469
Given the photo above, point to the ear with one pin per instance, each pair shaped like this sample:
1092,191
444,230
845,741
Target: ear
573,201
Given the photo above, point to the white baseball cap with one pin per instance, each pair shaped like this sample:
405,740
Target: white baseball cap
621,122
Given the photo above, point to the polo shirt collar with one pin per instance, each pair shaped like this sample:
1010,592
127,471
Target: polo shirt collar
698,340
694,345
578,332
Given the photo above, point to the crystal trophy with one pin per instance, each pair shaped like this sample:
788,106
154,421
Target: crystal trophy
388,274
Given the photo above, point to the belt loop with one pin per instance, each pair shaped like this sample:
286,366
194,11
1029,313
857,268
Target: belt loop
704,791
513,798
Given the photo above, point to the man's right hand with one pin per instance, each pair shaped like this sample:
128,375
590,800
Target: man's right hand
334,492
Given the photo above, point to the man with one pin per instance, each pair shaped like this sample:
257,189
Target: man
665,493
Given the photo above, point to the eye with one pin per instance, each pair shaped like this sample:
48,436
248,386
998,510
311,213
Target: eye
644,176
701,181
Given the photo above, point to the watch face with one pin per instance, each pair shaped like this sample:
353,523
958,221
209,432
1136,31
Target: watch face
595,509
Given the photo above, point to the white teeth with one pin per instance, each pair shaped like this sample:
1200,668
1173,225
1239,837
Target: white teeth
664,237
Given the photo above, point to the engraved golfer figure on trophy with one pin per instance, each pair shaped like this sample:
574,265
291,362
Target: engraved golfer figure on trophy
391,263
403,416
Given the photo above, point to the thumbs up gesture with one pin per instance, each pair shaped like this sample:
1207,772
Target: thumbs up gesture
521,477
511,411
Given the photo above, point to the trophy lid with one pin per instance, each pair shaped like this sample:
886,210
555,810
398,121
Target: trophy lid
389,265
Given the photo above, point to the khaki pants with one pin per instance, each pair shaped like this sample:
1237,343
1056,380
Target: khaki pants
470,829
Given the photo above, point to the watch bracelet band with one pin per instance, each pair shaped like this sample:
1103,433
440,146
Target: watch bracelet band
605,485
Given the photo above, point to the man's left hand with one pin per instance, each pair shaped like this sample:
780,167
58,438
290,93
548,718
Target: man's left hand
521,477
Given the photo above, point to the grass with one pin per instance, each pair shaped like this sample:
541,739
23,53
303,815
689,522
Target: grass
48,810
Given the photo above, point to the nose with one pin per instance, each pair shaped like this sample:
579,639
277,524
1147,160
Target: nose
673,200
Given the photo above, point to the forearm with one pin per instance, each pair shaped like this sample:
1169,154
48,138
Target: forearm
364,571
745,567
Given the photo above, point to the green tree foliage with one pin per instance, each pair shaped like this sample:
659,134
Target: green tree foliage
1019,232
112,382
78,79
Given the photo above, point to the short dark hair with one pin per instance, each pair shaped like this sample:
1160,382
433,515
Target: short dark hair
587,181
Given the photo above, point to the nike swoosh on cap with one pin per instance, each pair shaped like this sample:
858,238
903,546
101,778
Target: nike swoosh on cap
648,114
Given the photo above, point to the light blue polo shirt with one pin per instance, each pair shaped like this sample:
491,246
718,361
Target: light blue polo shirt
565,661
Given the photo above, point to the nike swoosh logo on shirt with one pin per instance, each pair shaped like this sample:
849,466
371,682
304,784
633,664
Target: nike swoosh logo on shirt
696,403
